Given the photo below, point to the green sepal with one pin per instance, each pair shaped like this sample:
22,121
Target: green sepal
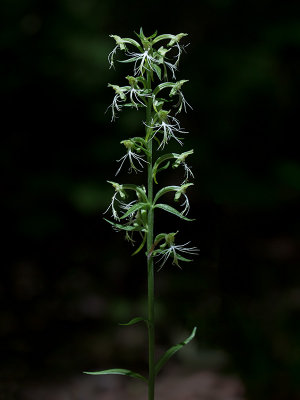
153,36
120,41
169,353
134,208
141,246
141,34
172,210
125,227
118,371
177,86
135,321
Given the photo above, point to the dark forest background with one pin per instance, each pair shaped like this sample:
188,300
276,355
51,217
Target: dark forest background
67,278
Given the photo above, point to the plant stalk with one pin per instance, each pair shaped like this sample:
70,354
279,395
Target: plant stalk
150,271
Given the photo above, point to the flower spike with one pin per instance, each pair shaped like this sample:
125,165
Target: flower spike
148,88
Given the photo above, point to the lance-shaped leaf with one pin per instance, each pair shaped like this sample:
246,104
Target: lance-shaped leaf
164,191
118,371
169,353
172,210
160,160
135,321
125,227
135,207
163,86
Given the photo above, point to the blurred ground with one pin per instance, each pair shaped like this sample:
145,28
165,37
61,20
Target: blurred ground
202,385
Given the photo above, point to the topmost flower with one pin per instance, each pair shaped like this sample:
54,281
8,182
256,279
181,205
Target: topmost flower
146,57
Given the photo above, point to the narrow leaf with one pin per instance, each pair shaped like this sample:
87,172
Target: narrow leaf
125,227
165,190
135,321
172,210
135,207
117,371
169,353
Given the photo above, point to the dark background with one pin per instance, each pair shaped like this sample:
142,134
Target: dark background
67,278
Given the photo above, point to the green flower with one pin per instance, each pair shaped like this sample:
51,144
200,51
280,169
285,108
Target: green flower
131,155
169,126
180,160
118,191
181,192
121,44
170,249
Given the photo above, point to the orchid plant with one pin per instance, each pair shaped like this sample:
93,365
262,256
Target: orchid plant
132,207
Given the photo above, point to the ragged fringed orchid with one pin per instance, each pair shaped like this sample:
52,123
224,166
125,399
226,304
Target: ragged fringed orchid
154,59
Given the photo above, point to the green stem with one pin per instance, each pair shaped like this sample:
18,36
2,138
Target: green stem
151,332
